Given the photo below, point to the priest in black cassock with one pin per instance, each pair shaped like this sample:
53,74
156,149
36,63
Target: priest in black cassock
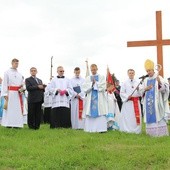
62,91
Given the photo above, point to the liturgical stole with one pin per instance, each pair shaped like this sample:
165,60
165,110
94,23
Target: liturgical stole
94,100
150,102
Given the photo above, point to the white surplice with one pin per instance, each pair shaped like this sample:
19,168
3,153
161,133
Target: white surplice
76,122
97,124
62,84
127,119
13,116
47,97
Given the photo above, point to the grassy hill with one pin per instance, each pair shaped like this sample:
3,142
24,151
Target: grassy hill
67,149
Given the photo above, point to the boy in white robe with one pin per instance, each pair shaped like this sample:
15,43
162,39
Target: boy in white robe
47,104
77,100
11,84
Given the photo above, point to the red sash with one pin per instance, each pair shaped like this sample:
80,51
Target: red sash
136,109
16,88
80,108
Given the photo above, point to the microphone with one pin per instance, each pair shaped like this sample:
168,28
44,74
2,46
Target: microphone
142,77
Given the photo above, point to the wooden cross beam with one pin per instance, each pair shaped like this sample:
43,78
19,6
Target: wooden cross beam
159,42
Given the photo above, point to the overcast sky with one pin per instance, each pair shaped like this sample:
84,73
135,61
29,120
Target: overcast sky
73,30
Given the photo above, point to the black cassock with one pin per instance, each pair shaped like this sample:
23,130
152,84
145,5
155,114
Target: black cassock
60,117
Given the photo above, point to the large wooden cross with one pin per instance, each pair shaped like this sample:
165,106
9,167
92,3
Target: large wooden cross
159,42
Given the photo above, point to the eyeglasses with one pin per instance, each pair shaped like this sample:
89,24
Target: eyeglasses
62,71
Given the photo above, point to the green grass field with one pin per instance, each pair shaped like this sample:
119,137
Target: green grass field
67,149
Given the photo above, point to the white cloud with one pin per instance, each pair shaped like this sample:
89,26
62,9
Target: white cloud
73,30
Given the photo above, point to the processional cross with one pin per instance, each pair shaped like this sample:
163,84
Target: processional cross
159,42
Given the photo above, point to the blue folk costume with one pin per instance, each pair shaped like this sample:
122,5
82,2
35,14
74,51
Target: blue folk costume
113,112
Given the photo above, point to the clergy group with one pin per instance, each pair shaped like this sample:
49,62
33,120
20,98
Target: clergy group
96,103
